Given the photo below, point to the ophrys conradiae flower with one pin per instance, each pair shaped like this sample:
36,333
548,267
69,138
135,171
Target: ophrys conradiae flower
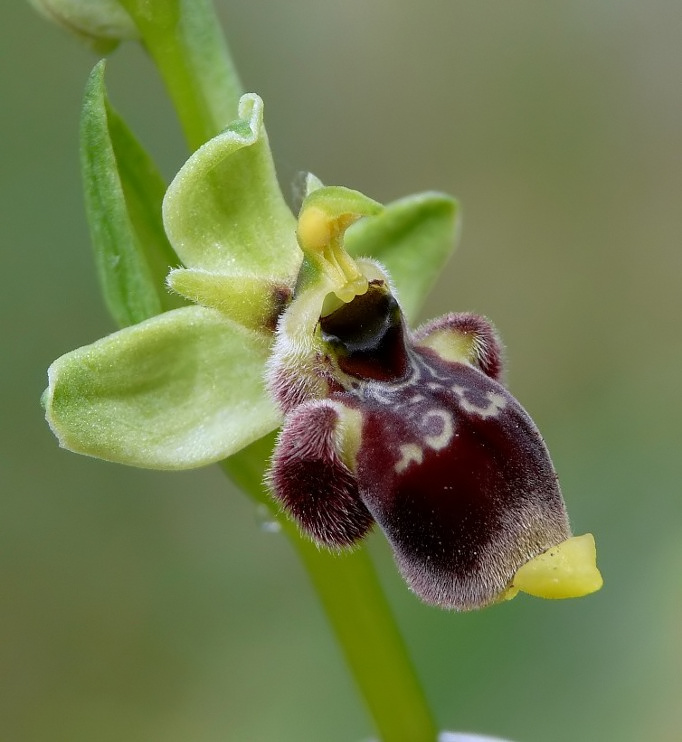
412,430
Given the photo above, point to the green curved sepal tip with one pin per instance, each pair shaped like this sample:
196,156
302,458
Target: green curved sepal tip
224,211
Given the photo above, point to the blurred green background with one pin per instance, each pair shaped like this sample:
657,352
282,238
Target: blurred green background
151,607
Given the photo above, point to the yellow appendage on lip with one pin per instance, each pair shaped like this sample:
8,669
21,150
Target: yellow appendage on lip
568,570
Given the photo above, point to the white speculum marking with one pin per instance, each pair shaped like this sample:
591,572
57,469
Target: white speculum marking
414,453
442,439
496,403
409,452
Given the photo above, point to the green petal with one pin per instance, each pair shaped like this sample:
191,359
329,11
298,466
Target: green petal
224,211
178,391
123,195
412,238
254,302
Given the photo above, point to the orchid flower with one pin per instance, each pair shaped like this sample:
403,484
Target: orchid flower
285,325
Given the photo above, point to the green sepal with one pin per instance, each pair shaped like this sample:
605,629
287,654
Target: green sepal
123,196
224,211
252,301
177,391
413,238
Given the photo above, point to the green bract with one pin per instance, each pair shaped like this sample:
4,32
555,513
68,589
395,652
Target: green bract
185,388
123,194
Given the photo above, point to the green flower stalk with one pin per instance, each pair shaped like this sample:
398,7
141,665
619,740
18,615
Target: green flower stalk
239,318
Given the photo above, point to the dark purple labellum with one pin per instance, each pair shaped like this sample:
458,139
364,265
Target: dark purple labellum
434,449
458,477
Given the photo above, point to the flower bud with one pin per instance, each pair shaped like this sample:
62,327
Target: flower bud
101,24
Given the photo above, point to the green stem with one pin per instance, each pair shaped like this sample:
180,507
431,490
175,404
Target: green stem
352,597
185,41
371,641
